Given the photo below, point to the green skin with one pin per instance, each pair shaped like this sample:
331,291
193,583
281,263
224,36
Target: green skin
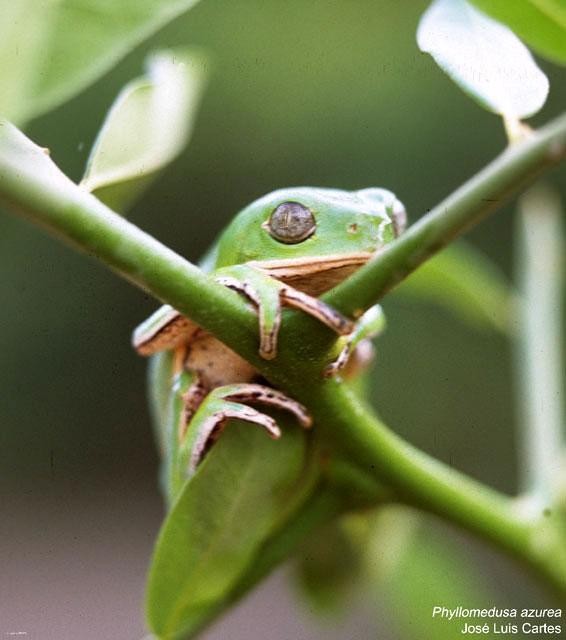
282,250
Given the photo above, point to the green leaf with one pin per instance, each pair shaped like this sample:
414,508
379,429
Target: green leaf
49,51
540,23
147,126
159,381
413,572
484,58
245,488
23,29
465,282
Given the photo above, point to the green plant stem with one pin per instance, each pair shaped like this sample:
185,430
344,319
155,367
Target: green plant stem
33,186
425,483
539,362
28,185
485,192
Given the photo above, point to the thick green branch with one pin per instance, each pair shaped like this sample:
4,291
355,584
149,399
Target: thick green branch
540,267
485,192
32,185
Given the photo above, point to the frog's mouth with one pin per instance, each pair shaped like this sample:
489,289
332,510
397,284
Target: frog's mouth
314,275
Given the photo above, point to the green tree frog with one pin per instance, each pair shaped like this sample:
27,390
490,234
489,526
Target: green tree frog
284,249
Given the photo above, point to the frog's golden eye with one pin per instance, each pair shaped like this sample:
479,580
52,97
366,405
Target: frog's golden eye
291,222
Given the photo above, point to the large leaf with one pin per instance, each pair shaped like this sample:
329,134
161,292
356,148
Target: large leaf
50,50
541,23
23,27
466,283
483,57
148,125
244,488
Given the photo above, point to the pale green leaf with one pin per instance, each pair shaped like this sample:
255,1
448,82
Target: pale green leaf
52,49
23,27
483,57
411,572
465,282
148,125
239,495
540,23
385,556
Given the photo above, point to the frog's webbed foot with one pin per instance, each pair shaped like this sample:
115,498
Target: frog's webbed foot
358,343
269,295
226,403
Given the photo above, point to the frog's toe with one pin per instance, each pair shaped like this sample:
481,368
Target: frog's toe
357,352
351,361
213,425
339,363
226,403
263,394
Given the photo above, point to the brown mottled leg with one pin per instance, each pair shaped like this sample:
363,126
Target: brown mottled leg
192,399
313,306
268,295
356,344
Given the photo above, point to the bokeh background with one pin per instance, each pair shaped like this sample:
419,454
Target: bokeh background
326,93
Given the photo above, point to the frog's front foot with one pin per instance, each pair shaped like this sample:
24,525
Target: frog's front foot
226,403
269,295
356,350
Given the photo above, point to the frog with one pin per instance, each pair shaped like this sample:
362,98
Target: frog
283,250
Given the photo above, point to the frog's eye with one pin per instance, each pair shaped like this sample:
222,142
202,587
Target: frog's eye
290,223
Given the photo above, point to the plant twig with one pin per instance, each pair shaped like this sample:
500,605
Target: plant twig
539,340
485,192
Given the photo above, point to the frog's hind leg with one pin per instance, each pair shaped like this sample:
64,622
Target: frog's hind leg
313,306
165,329
226,403
269,295
192,398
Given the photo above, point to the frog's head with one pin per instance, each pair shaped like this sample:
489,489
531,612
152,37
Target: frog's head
312,238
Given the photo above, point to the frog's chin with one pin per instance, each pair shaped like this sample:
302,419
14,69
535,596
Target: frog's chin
314,274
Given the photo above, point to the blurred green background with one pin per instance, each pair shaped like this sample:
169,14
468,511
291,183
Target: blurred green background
326,93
